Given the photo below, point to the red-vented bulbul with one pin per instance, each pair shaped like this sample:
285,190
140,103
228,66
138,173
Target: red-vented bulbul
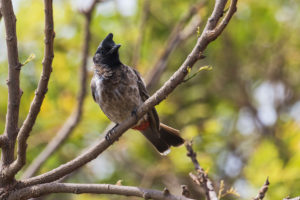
119,91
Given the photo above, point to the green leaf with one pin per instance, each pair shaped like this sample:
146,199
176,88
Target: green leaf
29,59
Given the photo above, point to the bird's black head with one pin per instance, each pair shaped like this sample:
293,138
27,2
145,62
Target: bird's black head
107,52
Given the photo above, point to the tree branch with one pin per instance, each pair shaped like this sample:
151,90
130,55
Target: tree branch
295,198
201,178
0,12
160,95
13,82
217,31
139,42
39,190
40,92
263,190
74,119
2,140
178,35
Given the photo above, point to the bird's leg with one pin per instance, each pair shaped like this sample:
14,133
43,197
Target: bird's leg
110,133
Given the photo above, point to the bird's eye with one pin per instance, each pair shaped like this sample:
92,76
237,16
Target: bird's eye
102,51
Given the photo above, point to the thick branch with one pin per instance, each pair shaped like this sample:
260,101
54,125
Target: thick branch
201,178
178,35
160,95
39,190
13,82
75,117
263,190
40,92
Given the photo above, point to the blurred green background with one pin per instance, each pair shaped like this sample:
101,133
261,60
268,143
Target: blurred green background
243,116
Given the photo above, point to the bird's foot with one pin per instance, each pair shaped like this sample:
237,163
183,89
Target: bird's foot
110,134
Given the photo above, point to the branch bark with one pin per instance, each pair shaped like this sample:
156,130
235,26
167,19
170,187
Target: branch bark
14,91
263,190
201,178
40,92
39,190
74,119
160,95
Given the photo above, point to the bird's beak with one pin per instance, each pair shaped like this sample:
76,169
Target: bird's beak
115,48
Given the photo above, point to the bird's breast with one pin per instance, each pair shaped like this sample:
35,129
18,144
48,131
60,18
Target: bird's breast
117,99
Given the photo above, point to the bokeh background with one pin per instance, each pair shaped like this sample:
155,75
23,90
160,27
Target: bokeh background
243,115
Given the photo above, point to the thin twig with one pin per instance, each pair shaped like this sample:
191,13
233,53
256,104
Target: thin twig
14,91
142,30
178,35
74,119
201,178
263,190
39,190
156,98
40,92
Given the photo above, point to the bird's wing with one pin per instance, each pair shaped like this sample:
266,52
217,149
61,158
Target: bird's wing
93,87
153,116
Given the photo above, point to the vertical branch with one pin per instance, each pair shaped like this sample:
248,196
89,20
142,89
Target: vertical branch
201,178
13,82
139,42
75,117
39,93
0,12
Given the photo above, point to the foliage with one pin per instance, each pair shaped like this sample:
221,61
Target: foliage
243,115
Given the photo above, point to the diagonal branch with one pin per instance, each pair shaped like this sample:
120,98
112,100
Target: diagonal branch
13,82
217,31
201,178
155,99
76,115
39,190
40,92
178,35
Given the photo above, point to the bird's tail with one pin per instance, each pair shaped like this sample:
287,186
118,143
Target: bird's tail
163,138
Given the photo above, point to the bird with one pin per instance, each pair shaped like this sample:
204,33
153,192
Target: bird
119,90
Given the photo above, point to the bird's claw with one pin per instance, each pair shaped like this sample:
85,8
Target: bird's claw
110,134
134,113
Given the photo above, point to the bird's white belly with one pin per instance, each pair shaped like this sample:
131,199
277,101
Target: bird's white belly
116,102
